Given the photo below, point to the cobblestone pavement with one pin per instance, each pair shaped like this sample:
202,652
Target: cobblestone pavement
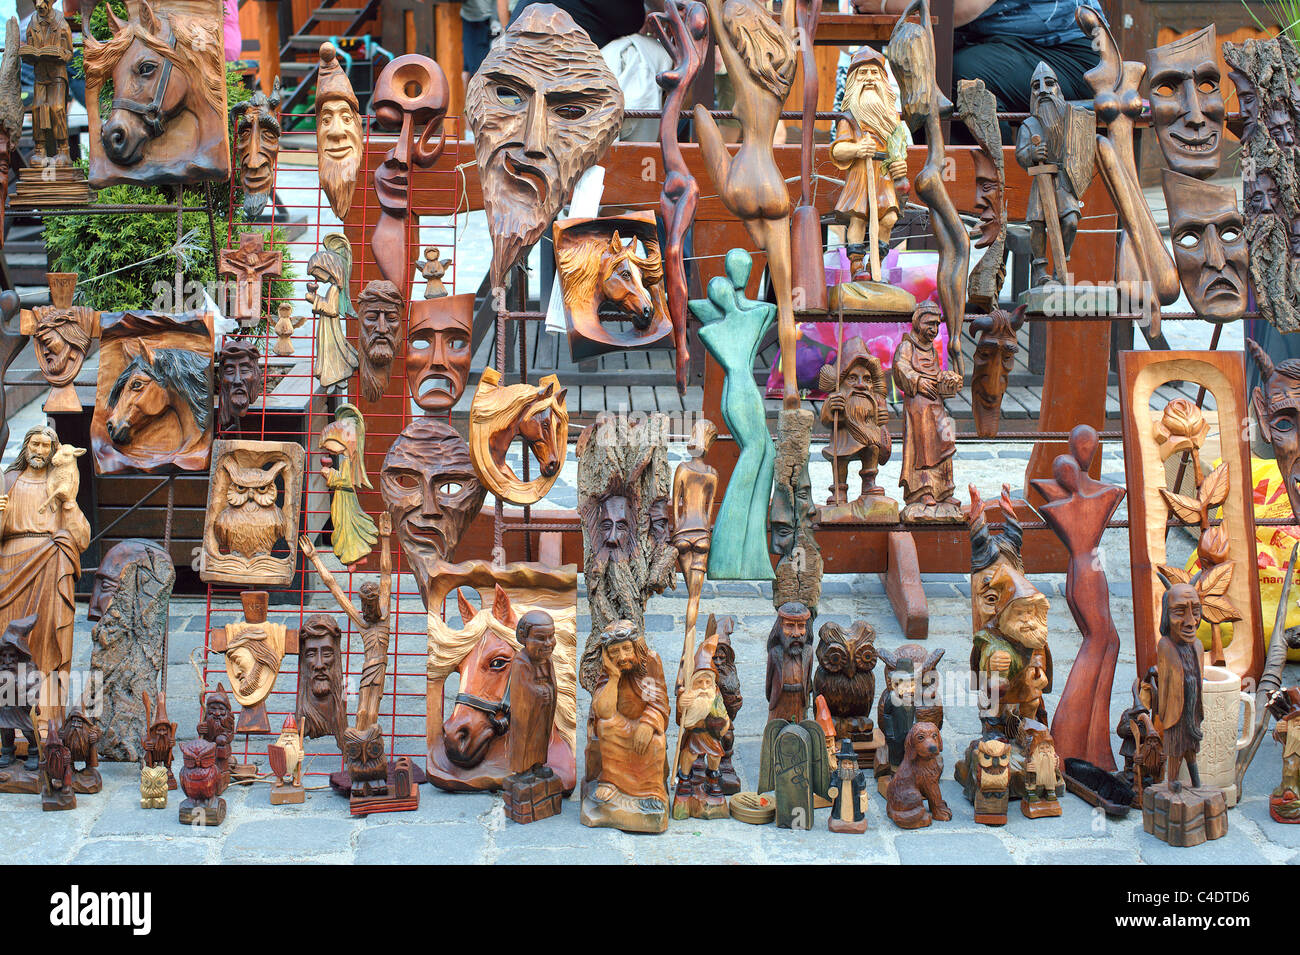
110,827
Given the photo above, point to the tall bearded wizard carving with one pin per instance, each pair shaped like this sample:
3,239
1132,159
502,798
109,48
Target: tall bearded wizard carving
544,108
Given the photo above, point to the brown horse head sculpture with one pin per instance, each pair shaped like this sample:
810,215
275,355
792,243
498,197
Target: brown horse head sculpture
995,354
481,712
157,382
501,414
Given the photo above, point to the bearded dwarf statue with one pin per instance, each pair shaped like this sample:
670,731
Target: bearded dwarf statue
544,108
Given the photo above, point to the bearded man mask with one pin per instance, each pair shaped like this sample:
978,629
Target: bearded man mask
239,381
257,144
338,132
322,705
380,308
544,107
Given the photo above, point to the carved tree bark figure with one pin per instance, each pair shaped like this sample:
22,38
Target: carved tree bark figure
1077,509
1142,261
624,503
977,108
794,514
684,31
129,648
760,59
911,53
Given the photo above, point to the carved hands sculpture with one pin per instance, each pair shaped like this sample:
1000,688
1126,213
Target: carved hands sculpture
167,121
544,108
254,503
499,416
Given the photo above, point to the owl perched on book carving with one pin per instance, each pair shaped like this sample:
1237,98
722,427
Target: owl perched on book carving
367,763
153,787
250,522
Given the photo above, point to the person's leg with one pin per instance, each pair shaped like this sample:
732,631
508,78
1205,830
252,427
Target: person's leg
475,38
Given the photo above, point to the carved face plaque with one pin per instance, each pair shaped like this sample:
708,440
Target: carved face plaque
1262,195
379,306
1276,403
1187,108
1209,246
239,381
1247,102
438,350
614,530
543,107
995,355
338,132
988,200
257,144
610,270
430,489
109,572
1281,125
410,98
62,334
321,705
792,510
253,655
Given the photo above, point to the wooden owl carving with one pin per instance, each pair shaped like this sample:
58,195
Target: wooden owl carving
200,778
845,669
250,522
366,760
153,787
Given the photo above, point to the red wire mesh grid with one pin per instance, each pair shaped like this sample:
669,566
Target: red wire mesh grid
402,709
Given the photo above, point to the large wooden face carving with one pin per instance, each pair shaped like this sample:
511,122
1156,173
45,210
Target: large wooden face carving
988,200
544,107
338,132
1187,108
166,121
1209,246
108,575
257,144
995,355
410,98
438,350
239,381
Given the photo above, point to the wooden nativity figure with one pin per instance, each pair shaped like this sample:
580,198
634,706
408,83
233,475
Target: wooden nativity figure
57,793
17,671
285,756
627,752
929,434
872,153
328,294
795,767
343,466
703,724
1171,811
532,791
848,792
42,536
857,412
1284,801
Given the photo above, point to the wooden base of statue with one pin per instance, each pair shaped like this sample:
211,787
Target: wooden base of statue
1071,300
87,781
17,778
253,720
807,271
58,800
287,794
403,793
1184,816
867,298
533,798
62,401
341,781
605,807
694,801
991,810
205,812
836,824
36,187
867,509
940,512
902,579
1040,807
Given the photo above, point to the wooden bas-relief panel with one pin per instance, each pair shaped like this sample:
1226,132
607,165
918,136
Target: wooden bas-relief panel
254,503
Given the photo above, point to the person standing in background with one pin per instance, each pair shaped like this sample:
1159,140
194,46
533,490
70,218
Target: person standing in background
480,22
233,38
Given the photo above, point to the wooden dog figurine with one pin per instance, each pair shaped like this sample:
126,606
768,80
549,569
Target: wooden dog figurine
917,781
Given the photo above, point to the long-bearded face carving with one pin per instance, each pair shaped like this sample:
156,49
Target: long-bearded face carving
379,307
438,350
239,381
431,490
995,356
1276,402
544,107
1209,246
338,132
1187,103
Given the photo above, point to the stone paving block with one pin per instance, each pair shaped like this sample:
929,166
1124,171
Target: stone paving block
144,852
1235,848
122,816
564,831
1081,856
536,855
439,806
1256,810
932,846
459,843
275,838
39,838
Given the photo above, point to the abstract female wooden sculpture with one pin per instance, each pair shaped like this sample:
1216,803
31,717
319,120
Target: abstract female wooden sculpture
343,441
499,415
760,59
683,30
732,326
1078,508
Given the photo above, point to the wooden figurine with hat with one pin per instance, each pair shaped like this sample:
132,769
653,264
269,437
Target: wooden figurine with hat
285,756
848,792
703,723
857,412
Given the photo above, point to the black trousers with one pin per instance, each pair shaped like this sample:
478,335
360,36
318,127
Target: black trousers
1006,64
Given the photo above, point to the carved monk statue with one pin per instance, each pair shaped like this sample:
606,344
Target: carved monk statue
40,550
49,50
627,752
929,440
532,696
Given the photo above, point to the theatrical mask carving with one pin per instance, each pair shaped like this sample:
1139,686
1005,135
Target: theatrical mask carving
610,271
248,265
239,381
544,108
321,706
329,293
108,574
343,466
167,120
257,144
153,401
1276,403
1187,108
338,132
438,350
63,333
432,492
254,501
500,416
379,307
995,357
410,99
1209,239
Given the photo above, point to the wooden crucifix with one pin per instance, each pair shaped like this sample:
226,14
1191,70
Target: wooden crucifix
248,265
63,333
254,649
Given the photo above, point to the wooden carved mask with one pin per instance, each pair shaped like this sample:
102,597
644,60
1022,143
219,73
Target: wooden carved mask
62,333
1209,246
1276,403
257,144
239,381
438,350
379,306
544,108
988,200
995,354
338,132
410,97
108,575
1187,108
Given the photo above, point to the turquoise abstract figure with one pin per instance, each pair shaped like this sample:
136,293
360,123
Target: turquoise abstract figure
732,327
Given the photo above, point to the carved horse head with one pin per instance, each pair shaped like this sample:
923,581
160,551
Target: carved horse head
482,709
619,282
160,67
154,383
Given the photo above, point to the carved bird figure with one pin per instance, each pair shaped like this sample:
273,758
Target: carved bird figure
364,756
845,669
250,522
200,778
153,787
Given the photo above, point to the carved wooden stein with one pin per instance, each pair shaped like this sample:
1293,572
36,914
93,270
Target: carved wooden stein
1224,730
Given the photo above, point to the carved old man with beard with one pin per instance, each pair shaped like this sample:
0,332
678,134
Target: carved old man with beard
338,132
380,308
321,707
1010,655
544,108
